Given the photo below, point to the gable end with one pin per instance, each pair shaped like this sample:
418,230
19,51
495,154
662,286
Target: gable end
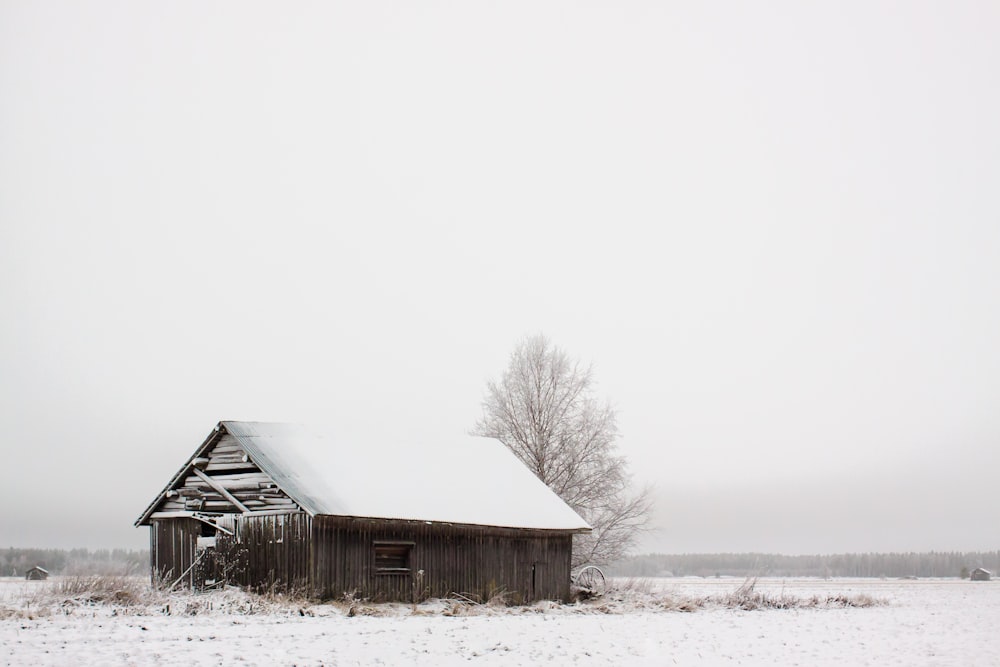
220,478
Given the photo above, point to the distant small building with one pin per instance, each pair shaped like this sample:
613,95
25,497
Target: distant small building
981,574
37,574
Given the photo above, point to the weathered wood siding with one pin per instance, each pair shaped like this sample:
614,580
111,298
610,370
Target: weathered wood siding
230,466
172,546
474,561
333,556
269,551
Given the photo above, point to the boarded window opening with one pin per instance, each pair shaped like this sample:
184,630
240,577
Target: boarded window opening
392,557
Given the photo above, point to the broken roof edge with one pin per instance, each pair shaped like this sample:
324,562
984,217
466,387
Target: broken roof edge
216,433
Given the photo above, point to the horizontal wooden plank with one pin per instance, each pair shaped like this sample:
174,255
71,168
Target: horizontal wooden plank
213,467
244,486
219,460
254,473
219,506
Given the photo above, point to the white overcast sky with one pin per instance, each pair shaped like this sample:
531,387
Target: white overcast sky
772,227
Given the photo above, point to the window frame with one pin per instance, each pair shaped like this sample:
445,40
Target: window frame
399,551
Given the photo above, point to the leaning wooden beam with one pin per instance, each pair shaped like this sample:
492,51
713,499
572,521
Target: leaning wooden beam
221,490
191,567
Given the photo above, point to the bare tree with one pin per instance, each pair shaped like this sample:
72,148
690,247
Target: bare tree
544,410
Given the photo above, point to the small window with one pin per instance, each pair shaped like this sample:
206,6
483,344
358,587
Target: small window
392,557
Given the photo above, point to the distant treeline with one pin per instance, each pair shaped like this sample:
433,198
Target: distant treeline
15,562
932,564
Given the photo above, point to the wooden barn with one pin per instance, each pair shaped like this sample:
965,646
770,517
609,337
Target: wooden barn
980,574
278,505
36,574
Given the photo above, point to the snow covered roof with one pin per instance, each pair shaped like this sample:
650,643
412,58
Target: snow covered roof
468,480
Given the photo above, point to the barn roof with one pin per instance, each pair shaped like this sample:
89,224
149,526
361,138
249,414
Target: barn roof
467,480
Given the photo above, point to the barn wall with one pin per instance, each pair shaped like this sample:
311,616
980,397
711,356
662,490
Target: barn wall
171,547
270,551
474,561
333,556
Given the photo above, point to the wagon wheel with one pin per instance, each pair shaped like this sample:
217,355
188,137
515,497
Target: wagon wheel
590,580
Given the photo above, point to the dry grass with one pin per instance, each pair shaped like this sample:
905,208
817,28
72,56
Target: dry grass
121,590
628,596
119,594
468,604
641,595
634,585
748,598
128,595
31,603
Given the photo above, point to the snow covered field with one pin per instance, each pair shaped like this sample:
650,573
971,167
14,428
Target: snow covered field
926,622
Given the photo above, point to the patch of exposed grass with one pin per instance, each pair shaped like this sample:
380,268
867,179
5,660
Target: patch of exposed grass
467,604
120,590
861,600
640,595
641,585
748,598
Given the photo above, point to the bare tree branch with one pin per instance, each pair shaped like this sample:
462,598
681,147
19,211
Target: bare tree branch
544,411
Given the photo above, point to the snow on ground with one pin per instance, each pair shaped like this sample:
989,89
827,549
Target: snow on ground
927,622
